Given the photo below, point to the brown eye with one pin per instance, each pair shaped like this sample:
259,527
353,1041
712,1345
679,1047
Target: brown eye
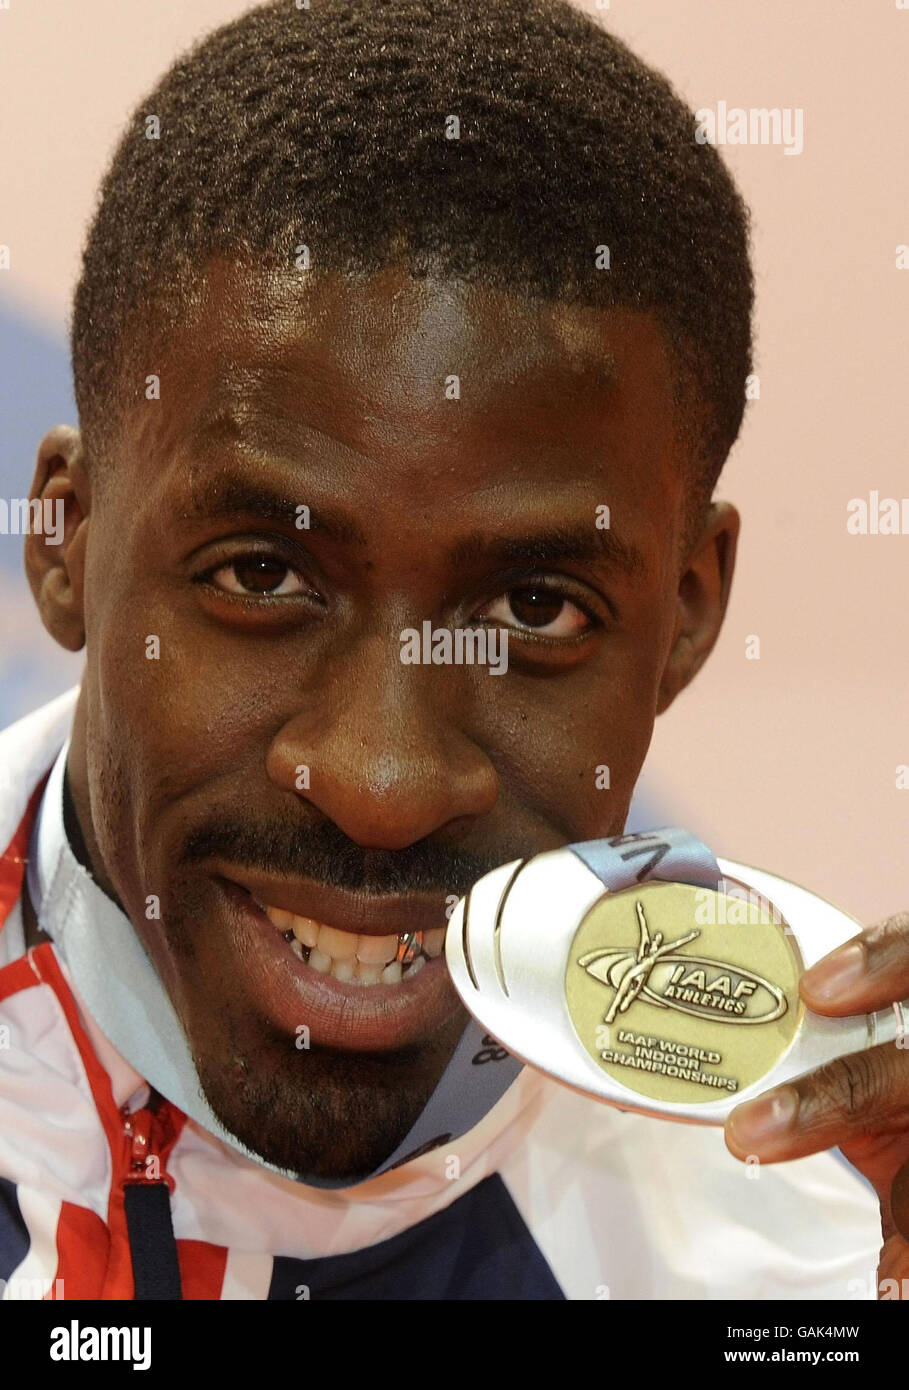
535,607
263,575
539,609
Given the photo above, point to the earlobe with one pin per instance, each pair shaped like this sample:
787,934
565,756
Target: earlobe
59,504
703,594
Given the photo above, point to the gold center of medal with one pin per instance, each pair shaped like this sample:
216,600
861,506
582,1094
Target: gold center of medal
681,993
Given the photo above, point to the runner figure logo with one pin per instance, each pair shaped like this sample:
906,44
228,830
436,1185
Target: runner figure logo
661,975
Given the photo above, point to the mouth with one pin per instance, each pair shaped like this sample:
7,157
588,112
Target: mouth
378,982
356,958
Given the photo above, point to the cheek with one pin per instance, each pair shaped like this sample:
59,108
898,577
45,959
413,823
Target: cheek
165,722
573,748
595,769
177,698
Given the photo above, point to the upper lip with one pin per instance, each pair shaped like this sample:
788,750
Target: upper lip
362,913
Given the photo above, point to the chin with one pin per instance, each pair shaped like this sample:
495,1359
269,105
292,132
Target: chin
313,1112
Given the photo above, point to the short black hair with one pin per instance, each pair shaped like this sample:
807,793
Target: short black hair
325,126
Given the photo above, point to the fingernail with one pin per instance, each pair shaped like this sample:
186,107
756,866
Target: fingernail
767,1118
837,973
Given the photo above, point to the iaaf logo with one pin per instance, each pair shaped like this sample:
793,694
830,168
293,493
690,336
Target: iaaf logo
691,984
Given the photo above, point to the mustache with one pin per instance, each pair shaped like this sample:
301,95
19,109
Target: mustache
326,855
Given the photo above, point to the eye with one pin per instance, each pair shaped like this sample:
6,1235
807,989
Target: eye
539,609
265,575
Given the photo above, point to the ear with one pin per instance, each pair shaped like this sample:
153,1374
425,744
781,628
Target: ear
703,594
59,501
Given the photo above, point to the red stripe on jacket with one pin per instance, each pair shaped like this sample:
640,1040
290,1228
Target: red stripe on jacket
93,1258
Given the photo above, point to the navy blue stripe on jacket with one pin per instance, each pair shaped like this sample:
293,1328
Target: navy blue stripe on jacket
14,1237
477,1248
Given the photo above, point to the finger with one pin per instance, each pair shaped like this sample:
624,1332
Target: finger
868,973
866,1093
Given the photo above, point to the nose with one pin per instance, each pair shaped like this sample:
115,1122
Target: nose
386,755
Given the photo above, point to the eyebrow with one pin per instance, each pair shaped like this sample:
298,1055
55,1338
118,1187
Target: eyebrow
577,544
226,497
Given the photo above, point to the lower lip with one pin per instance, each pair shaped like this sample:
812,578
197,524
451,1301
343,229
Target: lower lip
350,1017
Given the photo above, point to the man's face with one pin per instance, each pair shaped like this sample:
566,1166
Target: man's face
271,749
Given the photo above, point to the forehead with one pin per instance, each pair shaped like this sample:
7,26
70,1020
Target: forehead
425,386
252,327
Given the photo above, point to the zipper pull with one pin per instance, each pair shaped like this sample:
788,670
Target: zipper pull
146,1205
138,1128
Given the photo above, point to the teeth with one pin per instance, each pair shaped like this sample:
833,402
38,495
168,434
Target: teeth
377,950
361,960
340,945
279,918
306,931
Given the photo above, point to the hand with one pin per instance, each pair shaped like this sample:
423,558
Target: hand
859,1103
